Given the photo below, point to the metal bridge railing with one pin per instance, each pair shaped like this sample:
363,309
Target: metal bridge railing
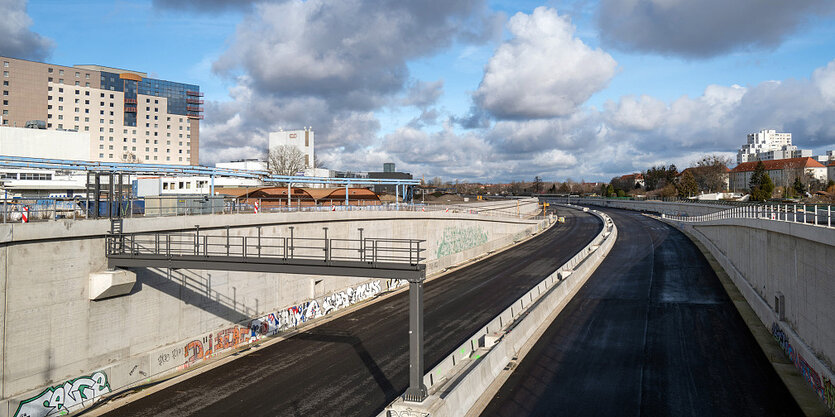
370,250
811,214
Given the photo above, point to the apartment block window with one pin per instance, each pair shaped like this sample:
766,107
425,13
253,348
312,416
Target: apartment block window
60,72
60,89
101,137
6,92
102,96
101,120
111,113
111,96
76,118
5,102
86,128
102,104
60,81
6,83
86,84
61,108
77,83
77,75
60,117
6,74
168,134
49,70
111,155
101,155
6,64
5,112
60,126
87,119
146,158
110,147
60,98
77,110
156,101
168,158
101,146
147,100
146,149
50,79
147,125
87,93
87,76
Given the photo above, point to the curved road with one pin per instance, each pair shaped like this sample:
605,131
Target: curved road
651,333
355,365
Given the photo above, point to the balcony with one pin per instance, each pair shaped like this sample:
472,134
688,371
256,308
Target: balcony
196,116
194,101
130,109
130,101
193,108
194,93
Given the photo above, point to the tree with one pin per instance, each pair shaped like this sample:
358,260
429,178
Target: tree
761,184
710,172
687,186
537,184
564,188
610,191
798,186
285,160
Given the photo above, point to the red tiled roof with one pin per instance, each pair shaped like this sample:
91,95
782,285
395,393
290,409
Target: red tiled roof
778,164
637,176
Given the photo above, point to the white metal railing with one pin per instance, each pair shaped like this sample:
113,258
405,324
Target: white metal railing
811,214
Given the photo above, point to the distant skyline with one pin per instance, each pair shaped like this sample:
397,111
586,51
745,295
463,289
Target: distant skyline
471,90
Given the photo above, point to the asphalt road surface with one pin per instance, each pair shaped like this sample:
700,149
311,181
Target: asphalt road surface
357,364
652,333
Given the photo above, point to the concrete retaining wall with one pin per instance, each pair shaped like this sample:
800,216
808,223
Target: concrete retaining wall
58,346
456,383
774,262
661,207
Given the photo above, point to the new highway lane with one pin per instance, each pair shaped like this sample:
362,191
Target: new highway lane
357,364
652,333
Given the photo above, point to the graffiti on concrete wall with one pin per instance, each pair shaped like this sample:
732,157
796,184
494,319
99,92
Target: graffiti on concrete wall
61,399
822,386
209,345
456,239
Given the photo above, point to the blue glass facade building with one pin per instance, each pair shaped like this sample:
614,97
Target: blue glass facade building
183,99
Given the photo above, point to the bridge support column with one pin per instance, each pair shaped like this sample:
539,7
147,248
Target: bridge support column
417,390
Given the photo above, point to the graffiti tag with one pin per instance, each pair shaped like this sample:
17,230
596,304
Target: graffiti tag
456,239
822,386
60,399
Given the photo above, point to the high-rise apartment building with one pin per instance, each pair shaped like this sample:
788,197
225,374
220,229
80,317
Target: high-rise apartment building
767,145
129,117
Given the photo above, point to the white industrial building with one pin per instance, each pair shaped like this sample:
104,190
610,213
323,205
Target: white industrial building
42,143
769,145
301,138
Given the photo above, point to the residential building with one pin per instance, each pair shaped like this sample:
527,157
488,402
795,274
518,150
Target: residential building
768,145
783,172
128,116
301,138
830,171
634,180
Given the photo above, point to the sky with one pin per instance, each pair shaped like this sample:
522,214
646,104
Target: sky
468,90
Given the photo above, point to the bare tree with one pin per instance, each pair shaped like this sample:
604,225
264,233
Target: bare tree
285,160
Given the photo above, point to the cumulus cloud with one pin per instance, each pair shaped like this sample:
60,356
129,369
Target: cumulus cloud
331,63
423,94
702,28
16,39
543,70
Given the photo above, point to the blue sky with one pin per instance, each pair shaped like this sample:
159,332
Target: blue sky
482,91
